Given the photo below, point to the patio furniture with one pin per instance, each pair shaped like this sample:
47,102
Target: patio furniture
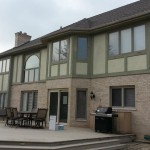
17,119
2,113
9,116
32,116
28,117
40,117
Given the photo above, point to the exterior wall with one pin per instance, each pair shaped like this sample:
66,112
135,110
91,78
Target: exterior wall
57,85
43,64
140,114
116,65
81,68
137,63
63,69
17,89
96,65
79,84
44,96
5,82
70,54
99,54
54,70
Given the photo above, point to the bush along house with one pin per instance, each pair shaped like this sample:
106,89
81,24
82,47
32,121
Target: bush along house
107,56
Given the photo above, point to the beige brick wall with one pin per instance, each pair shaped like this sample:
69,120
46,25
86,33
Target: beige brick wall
78,84
141,112
101,88
16,94
71,85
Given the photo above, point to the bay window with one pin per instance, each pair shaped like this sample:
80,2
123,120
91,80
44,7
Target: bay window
127,40
60,51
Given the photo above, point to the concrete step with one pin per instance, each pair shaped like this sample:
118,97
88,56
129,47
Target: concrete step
83,146
122,138
111,142
113,147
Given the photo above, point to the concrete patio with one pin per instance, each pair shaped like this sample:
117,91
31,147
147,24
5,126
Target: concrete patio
19,138
8,133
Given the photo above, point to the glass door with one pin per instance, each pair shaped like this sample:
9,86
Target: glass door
59,105
63,107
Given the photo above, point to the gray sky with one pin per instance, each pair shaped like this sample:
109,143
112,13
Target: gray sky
39,17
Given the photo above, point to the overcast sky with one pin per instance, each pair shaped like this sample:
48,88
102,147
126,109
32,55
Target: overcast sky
39,17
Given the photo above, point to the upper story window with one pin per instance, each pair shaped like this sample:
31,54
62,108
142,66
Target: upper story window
60,51
82,48
4,65
32,69
127,40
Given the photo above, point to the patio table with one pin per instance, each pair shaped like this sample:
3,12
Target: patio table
28,116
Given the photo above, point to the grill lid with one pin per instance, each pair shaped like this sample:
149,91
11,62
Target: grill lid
104,110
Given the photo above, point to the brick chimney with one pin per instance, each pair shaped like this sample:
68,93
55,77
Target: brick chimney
21,38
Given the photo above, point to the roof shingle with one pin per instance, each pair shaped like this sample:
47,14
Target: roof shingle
129,11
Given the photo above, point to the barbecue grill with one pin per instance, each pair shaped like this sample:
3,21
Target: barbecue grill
104,119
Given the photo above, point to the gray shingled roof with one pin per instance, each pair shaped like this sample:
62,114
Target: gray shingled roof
32,44
114,16
126,12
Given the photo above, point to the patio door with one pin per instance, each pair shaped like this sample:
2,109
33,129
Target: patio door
59,105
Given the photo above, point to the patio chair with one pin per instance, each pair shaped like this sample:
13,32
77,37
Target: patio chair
40,117
9,116
16,119
2,113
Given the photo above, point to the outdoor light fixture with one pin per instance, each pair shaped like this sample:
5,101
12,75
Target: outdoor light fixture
92,95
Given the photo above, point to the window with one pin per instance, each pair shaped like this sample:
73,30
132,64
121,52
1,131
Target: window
29,100
32,69
60,51
114,43
123,96
139,38
3,100
82,49
127,40
63,50
4,65
81,106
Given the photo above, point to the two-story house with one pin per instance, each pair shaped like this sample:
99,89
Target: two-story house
108,55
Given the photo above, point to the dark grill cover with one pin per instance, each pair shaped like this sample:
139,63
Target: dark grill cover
104,110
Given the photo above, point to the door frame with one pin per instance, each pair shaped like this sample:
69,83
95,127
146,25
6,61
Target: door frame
58,107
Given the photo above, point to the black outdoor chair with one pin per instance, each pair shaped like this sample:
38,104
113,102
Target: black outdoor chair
40,117
17,119
2,113
9,116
